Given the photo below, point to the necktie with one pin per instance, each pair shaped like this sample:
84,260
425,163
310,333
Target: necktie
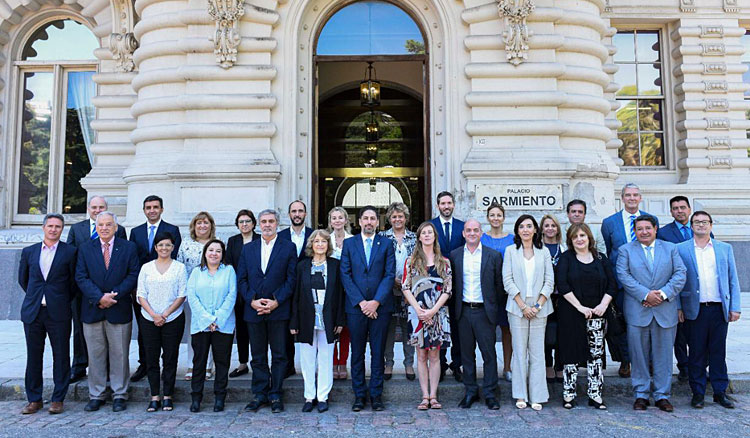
649,257
447,227
106,255
368,249
632,227
685,232
151,237
94,234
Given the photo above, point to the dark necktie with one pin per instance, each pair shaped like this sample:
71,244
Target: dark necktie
685,233
447,226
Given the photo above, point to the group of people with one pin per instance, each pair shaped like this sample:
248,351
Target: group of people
556,294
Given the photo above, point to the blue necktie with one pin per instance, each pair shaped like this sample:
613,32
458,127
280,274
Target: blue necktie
632,227
447,226
686,232
94,234
368,250
649,258
151,237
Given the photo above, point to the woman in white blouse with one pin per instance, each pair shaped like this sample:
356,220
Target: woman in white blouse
529,279
161,294
340,230
202,229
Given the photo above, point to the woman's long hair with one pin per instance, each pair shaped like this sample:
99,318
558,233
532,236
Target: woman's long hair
536,240
419,258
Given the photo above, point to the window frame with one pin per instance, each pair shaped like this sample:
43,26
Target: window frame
666,97
59,70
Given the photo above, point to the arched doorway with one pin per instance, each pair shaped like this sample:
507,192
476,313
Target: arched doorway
371,152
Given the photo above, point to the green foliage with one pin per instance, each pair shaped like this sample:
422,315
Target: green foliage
414,47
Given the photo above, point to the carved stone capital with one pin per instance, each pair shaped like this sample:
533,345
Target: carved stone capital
687,5
517,33
226,14
122,46
731,6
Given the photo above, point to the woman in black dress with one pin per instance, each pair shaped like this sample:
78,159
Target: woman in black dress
586,282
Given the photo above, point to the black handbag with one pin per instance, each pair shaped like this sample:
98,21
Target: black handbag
615,321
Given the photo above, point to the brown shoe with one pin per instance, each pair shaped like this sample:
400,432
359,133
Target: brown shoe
55,408
624,370
640,404
665,405
31,408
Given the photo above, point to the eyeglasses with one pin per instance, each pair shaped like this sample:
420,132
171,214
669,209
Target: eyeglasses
244,222
701,223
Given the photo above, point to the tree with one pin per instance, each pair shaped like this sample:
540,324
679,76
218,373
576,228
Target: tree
414,47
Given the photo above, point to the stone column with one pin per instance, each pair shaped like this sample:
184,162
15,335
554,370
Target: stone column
544,118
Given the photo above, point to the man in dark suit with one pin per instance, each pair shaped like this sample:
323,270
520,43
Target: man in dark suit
46,273
368,267
676,232
107,273
298,234
617,230
477,286
450,236
143,237
78,235
265,280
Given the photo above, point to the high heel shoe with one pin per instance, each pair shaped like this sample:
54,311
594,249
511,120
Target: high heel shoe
153,406
597,405
569,404
167,405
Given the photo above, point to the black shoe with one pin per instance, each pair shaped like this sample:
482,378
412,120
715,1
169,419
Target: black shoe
153,406
195,406
601,406
458,375
219,404
239,372
722,399
322,406
166,405
492,403
139,374
377,403
93,405
468,401
411,376
277,406
119,405
256,404
683,376
387,376
307,407
77,377
697,401
550,380
569,404
290,372
359,404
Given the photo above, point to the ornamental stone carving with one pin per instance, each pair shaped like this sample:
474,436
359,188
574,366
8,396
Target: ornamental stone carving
687,5
122,46
731,6
226,14
517,33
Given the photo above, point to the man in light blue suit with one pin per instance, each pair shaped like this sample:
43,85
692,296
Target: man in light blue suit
368,267
652,275
618,230
709,301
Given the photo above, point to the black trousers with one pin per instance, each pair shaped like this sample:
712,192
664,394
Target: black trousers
681,347
221,346
267,385
243,339
59,339
476,329
140,321
80,352
164,341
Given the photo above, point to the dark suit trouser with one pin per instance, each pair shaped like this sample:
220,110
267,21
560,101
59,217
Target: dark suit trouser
456,358
140,320
80,352
221,346
681,347
476,328
243,339
621,341
362,328
162,341
707,339
59,338
289,353
268,385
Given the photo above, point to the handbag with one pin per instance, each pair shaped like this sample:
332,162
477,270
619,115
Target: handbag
615,321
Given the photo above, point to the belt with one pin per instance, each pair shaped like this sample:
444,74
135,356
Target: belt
473,305
710,303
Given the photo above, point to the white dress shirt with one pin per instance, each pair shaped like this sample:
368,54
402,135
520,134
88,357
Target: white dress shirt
708,278
265,252
626,222
472,292
92,226
298,239
46,256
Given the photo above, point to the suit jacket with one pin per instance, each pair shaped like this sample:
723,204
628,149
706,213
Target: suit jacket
277,282
368,282
667,275
729,283
457,235
514,278
139,236
234,250
80,233
303,308
58,289
490,278
613,232
286,234
671,233
94,280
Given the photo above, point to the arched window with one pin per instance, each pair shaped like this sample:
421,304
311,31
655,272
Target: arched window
53,134
370,28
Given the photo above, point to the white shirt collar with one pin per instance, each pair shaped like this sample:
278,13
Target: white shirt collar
626,215
270,242
364,238
300,234
652,246
149,225
710,244
446,221
476,251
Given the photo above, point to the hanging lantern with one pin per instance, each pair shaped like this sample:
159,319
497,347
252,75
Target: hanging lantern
369,88
372,130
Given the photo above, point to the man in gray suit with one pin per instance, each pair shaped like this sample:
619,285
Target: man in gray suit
652,274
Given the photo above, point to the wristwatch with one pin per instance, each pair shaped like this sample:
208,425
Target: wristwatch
538,306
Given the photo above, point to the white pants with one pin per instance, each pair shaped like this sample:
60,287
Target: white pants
527,363
320,353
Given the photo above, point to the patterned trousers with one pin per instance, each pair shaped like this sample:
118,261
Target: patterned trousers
595,332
